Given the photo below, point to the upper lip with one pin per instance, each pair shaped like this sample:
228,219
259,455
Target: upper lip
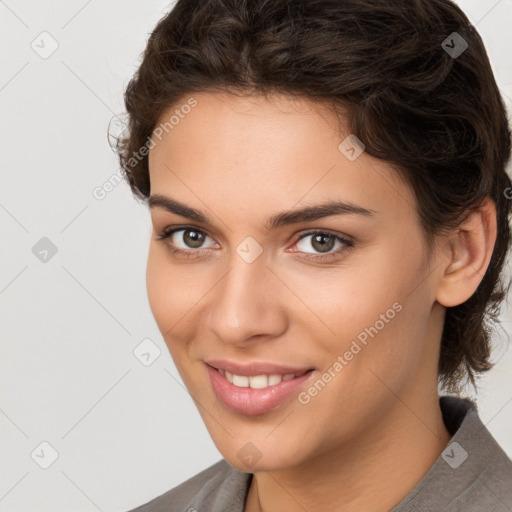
256,368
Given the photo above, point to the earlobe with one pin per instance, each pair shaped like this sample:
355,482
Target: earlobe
466,256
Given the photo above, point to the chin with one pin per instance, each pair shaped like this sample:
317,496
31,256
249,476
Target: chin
251,458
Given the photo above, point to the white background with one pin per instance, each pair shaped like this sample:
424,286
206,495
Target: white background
124,433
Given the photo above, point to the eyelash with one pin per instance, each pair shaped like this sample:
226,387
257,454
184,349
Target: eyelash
196,253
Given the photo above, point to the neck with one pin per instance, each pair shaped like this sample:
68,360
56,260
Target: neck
374,472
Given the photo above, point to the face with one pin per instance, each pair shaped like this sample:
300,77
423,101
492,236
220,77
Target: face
347,296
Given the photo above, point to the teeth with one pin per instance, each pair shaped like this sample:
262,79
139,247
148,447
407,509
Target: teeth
241,381
274,379
256,381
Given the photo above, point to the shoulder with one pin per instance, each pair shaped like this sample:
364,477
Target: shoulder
219,484
473,473
492,484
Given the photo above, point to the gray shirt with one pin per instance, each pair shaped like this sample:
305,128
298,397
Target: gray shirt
473,474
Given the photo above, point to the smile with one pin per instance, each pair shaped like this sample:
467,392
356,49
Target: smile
257,381
256,394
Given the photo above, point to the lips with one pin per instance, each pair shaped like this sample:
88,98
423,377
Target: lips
253,401
257,368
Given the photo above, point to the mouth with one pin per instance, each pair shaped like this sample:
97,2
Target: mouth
256,393
261,381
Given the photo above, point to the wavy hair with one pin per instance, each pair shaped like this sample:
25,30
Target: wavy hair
437,117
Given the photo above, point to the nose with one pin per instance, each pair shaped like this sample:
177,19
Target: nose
247,304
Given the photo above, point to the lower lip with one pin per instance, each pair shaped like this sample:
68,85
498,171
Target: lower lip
254,401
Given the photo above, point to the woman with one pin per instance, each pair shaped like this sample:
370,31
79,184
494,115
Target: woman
327,188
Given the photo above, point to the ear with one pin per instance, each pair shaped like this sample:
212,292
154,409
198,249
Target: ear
466,255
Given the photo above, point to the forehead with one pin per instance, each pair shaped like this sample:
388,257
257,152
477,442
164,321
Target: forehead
233,126
256,152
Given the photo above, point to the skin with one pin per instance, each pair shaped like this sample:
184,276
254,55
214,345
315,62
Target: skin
373,432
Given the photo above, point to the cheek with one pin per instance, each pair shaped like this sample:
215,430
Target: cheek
156,285
164,289
341,303
370,316
170,304
383,347
173,293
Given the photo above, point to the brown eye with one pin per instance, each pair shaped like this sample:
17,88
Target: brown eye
193,239
323,242
183,238
319,241
324,245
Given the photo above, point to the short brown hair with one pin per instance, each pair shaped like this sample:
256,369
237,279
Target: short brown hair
438,117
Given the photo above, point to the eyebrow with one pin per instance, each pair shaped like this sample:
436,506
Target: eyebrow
309,213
